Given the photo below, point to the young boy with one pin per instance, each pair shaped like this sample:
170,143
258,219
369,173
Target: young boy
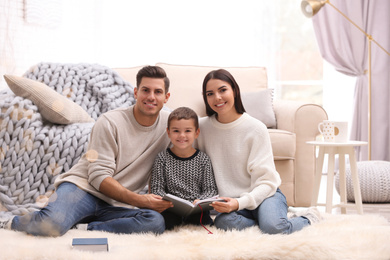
183,170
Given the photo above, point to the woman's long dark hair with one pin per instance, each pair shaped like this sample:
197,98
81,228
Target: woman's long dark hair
223,75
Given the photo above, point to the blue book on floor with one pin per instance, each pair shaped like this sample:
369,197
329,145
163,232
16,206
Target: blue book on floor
90,244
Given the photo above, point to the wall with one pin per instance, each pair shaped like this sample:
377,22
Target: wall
25,44
122,33
119,33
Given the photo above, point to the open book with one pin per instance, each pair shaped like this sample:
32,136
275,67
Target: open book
185,208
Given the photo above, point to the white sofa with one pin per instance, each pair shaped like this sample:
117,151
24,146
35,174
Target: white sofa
294,123
46,119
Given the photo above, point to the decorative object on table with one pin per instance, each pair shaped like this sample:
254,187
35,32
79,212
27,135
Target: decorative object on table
312,7
334,131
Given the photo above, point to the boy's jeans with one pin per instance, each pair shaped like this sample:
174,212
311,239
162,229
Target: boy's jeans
270,216
72,205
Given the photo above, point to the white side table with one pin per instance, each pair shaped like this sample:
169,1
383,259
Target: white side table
341,149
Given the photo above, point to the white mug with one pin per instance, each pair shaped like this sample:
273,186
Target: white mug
334,131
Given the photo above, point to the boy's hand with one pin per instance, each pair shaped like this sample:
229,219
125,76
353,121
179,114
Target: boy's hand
228,206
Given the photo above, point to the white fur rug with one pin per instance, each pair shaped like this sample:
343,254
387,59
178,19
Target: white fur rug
337,237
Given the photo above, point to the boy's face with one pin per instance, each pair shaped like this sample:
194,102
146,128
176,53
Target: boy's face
182,133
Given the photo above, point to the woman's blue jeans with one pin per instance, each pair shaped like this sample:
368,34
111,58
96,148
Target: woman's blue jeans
73,206
270,216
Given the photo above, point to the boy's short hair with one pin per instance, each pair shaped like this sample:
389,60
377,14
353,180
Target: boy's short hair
183,113
153,72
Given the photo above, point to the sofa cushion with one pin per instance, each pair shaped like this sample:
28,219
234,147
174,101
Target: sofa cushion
186,83
53,106
185,79
283,144
259,105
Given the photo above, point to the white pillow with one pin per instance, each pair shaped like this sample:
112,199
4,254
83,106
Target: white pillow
259,104
53,106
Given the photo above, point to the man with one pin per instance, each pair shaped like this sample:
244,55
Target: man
101,188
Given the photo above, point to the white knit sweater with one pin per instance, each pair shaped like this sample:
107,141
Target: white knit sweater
124,150
242,159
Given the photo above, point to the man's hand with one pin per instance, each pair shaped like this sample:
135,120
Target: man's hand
113,189
228,206
155,202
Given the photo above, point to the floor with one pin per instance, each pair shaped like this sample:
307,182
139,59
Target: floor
379,208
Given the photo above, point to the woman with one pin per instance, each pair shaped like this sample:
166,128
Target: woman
240,150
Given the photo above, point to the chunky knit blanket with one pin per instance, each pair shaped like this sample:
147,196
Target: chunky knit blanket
34,152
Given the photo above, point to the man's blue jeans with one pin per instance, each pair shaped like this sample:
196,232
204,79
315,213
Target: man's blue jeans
73,205
270,216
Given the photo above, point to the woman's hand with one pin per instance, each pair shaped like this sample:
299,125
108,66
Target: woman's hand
228,206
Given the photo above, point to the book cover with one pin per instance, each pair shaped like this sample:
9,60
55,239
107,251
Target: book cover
185,208
90,244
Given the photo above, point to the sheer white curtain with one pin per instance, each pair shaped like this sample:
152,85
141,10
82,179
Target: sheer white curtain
346,48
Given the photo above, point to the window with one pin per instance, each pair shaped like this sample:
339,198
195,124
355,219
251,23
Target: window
298,63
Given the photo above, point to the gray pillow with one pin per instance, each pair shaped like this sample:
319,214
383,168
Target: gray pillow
259,105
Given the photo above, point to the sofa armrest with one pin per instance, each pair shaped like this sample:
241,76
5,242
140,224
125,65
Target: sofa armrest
299,117
302,119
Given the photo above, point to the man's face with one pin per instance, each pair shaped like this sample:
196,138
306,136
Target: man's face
151,97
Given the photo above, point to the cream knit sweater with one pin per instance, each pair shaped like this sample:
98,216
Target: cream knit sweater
242,159
121,148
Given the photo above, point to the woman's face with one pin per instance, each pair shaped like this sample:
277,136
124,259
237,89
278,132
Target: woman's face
220,97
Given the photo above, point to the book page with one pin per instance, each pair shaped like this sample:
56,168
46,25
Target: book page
215,198
175,198
184,207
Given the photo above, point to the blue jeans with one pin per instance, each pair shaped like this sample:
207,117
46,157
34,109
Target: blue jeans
270,216
73,206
